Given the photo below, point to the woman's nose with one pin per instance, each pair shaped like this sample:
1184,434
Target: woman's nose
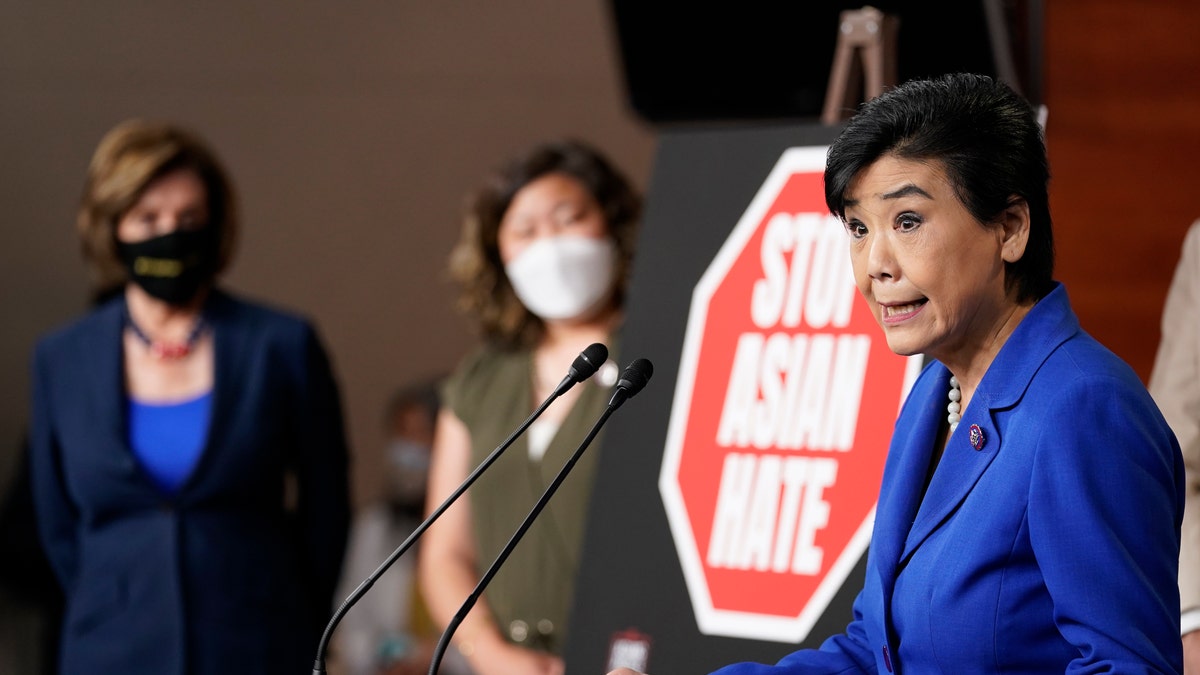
881,263
171,222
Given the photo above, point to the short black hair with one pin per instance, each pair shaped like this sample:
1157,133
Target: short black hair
987,139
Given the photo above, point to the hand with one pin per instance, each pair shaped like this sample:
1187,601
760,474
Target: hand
410,666
1191,653
416,662
504,658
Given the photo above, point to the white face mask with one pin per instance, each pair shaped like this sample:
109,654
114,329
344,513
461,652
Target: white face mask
564,277
408,465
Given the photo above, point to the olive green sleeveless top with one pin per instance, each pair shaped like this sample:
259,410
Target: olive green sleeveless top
492,393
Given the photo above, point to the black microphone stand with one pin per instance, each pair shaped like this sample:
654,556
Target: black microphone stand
584,367
631,382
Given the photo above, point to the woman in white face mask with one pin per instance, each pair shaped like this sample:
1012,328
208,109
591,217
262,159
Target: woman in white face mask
542,263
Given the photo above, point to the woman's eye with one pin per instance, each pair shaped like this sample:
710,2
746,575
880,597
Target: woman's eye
856,229
191,221
568,217
908,222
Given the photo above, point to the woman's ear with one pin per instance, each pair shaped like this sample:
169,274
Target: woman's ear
1015,224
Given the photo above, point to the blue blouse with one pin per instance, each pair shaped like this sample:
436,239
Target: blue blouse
168,438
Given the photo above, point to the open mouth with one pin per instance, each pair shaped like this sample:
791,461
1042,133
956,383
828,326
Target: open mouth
898,312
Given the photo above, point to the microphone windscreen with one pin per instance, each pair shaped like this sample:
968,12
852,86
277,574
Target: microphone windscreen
588,362
636,376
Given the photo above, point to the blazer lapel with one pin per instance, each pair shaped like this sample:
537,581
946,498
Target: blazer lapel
906,515
104,362
900,496
960,467
229,357
1047,325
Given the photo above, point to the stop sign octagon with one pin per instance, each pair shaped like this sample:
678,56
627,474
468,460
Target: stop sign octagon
783,409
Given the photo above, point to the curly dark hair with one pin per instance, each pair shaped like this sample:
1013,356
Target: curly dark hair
485,292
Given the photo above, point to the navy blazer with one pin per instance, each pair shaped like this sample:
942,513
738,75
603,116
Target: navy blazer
221,577
1048,538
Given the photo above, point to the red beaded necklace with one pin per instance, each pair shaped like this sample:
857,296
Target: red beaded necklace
167,351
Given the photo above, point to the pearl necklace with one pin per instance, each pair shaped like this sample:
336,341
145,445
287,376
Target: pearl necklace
954,408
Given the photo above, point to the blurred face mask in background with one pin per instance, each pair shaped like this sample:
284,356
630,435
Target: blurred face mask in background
564,277
408,465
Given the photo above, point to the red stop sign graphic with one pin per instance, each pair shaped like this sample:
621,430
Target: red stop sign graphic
783,411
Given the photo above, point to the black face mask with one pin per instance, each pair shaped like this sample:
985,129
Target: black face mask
174,266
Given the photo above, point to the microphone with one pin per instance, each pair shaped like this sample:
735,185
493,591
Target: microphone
584,366
632,381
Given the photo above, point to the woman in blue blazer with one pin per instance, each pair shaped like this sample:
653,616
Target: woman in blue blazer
1028,520
189,455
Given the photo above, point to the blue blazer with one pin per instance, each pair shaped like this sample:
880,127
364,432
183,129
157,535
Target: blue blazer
1049,545
221,577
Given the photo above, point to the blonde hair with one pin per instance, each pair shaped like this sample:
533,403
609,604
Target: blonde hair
130,157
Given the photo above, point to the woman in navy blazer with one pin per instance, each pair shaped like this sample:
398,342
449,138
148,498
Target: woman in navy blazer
189,454
1028,520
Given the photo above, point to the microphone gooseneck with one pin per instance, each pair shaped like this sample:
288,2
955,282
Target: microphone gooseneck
584,366
632,381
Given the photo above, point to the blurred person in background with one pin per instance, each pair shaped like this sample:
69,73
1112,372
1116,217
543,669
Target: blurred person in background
543,265
1175,386
188,453
388,631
